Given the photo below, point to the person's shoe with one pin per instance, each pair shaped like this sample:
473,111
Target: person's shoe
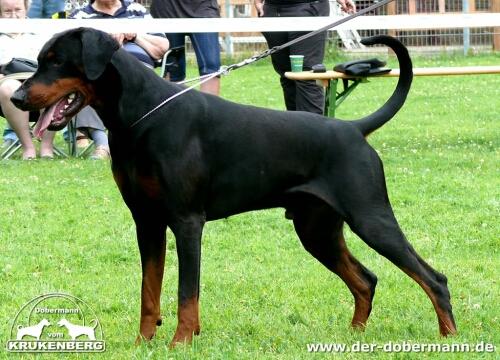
28,158
48,156
100,153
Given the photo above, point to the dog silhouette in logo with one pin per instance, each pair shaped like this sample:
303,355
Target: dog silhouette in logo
35,330
75,331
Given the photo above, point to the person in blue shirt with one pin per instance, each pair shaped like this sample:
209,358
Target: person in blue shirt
148,48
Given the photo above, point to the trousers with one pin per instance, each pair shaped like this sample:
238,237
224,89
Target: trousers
298,95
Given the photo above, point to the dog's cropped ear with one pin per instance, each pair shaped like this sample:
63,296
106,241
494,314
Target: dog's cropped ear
97,50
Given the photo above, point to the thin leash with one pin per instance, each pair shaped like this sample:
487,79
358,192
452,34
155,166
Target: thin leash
226,69
205,79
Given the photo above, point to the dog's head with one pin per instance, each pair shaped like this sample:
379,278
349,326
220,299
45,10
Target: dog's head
68,64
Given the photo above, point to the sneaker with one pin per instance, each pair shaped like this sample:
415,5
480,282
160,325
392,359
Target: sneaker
100,153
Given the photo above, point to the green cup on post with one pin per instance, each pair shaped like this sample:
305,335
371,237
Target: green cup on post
296,62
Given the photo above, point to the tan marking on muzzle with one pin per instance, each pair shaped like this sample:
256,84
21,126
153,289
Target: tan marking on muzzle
41,96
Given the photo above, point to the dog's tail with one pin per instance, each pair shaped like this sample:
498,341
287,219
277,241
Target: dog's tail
375,120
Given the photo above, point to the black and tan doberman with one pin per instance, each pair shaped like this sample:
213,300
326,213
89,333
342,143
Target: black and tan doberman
200,158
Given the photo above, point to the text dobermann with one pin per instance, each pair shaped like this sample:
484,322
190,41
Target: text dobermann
201,158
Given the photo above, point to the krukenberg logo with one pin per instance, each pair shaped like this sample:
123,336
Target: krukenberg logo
56,323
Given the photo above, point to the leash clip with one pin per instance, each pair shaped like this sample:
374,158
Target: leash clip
224,70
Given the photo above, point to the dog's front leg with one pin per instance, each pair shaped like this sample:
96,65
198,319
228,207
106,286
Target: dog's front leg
152,239
187,233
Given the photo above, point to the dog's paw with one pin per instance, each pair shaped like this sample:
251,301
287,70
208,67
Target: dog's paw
184,336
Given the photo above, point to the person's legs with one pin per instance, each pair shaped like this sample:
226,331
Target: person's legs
44,9
88,123
50,7
100,138
35,10
310,96
299,95
177,73
206,47
281,64
211,86
9,136
46,146
281,59
17,119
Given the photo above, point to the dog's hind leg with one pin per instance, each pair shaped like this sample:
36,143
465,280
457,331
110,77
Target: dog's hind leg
152,240
188,233
381,232
371,217
319,228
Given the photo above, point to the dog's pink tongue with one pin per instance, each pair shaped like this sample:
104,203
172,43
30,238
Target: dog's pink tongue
44,121
46,118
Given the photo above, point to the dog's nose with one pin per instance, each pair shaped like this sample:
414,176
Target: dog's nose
19,99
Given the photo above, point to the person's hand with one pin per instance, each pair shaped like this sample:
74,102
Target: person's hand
347,6
118,37
259,6
130,36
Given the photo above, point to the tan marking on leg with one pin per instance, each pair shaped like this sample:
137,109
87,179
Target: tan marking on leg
188,322
150,298
349,271
446,324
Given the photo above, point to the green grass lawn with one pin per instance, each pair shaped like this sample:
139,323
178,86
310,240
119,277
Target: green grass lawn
64,228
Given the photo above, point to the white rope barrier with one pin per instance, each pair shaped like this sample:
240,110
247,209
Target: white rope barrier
390,22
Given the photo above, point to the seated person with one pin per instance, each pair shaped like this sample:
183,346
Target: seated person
9,48
148,48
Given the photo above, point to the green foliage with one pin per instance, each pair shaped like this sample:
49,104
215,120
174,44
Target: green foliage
64,227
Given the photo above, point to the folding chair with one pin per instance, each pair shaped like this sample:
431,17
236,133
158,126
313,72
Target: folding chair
73,149
16,145
171,59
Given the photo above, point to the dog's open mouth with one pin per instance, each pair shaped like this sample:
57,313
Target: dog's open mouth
59,114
